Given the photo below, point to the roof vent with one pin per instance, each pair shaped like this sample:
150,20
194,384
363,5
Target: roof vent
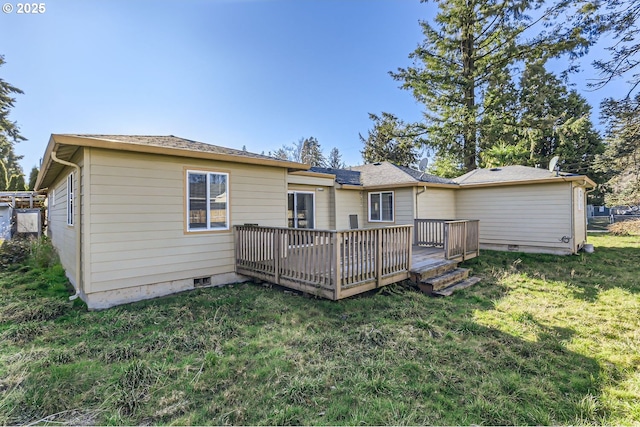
494,169
377,164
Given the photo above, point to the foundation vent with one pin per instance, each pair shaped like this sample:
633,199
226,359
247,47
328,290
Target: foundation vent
199,282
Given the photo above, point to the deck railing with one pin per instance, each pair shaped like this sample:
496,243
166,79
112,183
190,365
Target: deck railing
333,264
460,239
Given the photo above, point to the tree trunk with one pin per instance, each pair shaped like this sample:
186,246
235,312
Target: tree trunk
469,90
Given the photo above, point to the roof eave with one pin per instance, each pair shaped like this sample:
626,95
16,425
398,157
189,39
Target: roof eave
312,174
58,140
558,179
409,184
153,149
46,161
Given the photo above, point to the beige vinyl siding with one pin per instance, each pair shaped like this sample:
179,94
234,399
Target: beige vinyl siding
349,202
137,223
403,205
63,236
323,204
436,203
529,215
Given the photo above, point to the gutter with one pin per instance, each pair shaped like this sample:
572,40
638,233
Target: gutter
78,221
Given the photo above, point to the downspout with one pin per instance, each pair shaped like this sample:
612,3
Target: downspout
78,221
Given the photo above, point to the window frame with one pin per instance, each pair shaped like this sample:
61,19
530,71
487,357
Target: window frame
70,199
51,203
208,227
393,208
295,197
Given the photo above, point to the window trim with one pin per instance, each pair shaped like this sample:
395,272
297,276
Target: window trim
313,194
393,207
70,199
208,229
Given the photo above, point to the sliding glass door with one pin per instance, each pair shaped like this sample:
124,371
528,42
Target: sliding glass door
300,212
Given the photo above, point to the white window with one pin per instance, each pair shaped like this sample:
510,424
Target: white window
51,202
207,201
301,209
381,207
70,198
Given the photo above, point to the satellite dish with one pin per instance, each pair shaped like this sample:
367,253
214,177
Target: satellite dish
553,163
423,164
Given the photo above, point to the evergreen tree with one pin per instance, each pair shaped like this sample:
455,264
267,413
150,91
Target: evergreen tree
9,135
335,159
620,19
306,150
389,140
473,47
16,183
621,159
554,121
33,177
311,153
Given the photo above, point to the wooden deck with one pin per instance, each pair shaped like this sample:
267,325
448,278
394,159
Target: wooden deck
327,263
333,264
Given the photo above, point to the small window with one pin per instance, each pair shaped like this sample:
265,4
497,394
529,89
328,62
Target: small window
381,207
207,198
70,198
51,202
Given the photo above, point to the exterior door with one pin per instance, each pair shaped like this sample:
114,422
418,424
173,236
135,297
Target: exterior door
301,212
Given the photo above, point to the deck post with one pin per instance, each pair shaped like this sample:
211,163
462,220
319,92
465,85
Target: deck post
464,241
409,249
445,227
276,255
378,257
337,237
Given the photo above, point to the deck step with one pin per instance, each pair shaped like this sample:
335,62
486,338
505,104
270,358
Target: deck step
447,279
431,268
456,287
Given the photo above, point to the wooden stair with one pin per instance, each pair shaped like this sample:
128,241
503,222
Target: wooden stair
441,277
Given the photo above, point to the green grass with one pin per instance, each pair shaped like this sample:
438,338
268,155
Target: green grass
541,340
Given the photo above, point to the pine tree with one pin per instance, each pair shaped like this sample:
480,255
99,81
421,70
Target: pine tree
474,46
621,159
335,159
9,135
389,140
311,153
33,177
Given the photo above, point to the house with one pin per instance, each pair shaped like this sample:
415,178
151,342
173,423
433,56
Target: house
136,217
520,208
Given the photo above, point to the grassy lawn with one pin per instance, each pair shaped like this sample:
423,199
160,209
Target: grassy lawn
541,340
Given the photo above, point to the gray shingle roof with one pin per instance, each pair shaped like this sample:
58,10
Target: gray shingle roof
343,176
386,173
505,174
170,141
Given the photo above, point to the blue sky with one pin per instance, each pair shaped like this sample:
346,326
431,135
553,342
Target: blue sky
254,73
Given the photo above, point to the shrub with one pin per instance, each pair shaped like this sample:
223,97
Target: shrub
43,254
38,253
625,228
14,252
